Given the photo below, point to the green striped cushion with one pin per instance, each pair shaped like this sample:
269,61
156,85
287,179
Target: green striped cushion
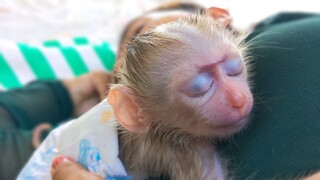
21,63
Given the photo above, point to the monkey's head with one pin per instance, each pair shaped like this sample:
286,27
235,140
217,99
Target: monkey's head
184,77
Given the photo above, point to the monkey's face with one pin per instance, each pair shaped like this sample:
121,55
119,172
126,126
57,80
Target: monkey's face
187,77
209,93
214,95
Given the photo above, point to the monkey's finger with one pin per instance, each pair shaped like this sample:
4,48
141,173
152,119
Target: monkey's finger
64,168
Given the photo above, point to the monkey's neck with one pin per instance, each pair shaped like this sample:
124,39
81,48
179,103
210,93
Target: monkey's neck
181,158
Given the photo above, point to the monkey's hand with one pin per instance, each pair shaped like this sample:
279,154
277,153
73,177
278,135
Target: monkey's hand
87,90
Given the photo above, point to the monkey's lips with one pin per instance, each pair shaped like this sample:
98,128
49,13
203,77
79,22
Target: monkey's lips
229,128
235,124
234,117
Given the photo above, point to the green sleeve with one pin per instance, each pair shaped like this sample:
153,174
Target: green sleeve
282,140
38,102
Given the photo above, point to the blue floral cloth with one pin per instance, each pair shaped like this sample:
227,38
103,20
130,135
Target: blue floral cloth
91,140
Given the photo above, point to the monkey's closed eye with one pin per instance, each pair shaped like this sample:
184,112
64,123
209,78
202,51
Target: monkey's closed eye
232,67
199,85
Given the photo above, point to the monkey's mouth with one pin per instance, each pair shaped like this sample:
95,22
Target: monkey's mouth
233,123
232,117
229,129
238,123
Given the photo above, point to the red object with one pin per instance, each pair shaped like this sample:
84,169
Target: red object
59,160
220,15
218,12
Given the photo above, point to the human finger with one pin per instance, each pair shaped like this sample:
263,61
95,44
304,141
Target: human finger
64,168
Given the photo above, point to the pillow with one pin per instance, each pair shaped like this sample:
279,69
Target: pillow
21,63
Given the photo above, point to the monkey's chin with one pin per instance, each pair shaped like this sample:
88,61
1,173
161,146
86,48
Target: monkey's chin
230,129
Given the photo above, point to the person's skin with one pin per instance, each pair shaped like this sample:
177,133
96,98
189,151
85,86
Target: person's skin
87,90
64,169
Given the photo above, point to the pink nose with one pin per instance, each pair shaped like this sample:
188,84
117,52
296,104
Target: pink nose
237,99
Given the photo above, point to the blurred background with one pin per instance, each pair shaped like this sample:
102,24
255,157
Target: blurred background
34,20
57,39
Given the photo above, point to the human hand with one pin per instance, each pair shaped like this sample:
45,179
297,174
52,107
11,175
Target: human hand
64,168
87,90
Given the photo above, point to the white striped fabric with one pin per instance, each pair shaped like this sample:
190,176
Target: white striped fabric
21,63
90,58
57,62
17,63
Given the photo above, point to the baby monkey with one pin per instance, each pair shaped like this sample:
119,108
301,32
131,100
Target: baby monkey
183,85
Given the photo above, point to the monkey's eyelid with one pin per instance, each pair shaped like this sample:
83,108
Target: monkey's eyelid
200,85
233,67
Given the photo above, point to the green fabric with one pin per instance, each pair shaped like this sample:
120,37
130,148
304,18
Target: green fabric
21,63
7,77
108,60
52,43
37,61
81,41
283,139
102,50
74,60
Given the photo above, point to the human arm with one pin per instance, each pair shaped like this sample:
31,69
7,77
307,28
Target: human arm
54,101
21,110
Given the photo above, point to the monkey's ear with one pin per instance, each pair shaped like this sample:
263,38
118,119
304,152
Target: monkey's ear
126,109
219,14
